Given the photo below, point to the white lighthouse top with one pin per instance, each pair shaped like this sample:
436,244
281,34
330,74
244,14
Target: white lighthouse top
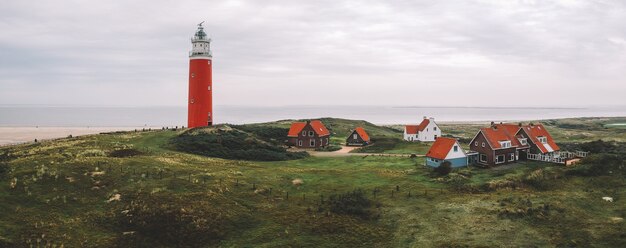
201,48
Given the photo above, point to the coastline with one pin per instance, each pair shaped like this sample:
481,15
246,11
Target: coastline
18,135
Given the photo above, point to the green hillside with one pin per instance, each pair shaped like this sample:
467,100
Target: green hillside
137,189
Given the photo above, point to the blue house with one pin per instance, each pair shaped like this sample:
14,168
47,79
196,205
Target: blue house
446,149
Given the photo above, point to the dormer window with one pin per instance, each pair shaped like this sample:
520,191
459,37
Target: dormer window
523,141
542,139
505,144
456,148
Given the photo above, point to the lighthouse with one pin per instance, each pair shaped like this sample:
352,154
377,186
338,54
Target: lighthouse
200,102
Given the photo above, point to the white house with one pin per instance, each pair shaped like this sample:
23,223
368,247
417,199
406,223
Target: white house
425,131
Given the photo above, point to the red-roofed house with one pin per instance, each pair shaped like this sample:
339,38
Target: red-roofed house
310,134
427,130
358,137
499,144
541,141
446,149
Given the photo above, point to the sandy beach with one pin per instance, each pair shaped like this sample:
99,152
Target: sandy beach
17,135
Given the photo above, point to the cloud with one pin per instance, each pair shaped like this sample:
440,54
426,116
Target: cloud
316,52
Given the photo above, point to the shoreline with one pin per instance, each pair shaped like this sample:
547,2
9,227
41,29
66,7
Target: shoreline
15,135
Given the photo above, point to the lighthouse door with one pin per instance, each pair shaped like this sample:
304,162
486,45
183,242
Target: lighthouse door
209,120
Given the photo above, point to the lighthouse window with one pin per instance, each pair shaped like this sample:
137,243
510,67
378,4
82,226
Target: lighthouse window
209,87
193,75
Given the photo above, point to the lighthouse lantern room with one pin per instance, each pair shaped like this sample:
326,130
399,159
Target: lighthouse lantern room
200,102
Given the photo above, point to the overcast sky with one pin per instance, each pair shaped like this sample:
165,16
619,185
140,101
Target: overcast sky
427,53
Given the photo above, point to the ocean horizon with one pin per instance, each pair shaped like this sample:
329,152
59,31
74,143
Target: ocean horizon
76,116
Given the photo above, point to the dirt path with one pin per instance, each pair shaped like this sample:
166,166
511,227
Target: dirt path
346,151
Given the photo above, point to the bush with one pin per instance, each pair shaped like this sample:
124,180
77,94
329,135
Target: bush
231,144
270,134
598,146
124,153
444,168
330,148
601,165
353,203
380,145
172,221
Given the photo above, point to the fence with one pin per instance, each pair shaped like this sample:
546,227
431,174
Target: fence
559,157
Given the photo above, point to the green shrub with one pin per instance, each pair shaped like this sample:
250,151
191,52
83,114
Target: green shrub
380,145
601,165
164,220
231,144
353,203
330,148
597,146
268,133
124,153
444,168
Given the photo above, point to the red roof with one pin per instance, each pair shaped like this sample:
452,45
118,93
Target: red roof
536,131
501,132
441,148
413,129
296,127
363,134
316,125
319,128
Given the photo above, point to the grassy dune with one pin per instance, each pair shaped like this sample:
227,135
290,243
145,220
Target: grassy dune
80,192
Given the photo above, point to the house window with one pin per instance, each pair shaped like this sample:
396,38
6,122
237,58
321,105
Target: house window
512,157
542,139
483,158
312,142
311,133
505,144
523,141
500,159
303,133
483,144
434,128
299,142
475,143
435,136
354,136
326,141
456,148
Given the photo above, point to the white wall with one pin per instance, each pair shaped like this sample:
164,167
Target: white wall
458,154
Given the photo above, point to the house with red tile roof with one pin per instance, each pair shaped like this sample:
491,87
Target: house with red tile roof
309,134
446,149
499,144
426,131
358,137
540,140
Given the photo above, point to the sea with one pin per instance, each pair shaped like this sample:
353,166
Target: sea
161,116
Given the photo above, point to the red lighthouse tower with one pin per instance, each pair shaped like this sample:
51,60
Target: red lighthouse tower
200,108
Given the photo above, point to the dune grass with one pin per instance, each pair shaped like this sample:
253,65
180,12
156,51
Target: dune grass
57,193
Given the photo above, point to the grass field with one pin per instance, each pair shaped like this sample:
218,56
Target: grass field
75,193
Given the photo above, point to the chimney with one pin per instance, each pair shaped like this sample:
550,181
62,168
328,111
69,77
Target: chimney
432,118
531,124
425,117
519,124
500,123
